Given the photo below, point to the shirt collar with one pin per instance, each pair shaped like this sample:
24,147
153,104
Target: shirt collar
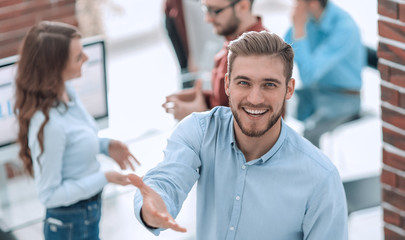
267,156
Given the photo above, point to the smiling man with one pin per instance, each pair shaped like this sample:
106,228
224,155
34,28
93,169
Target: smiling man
257,178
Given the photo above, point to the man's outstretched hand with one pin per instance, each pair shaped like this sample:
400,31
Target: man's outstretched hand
154,212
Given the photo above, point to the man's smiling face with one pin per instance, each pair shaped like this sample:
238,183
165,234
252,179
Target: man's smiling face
257,93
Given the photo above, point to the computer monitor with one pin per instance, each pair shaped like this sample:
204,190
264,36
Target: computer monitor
91,88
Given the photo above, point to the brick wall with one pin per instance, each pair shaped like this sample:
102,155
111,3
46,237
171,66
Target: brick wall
17,16
391,53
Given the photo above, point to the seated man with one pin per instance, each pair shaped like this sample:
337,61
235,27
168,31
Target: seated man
330,57
257,178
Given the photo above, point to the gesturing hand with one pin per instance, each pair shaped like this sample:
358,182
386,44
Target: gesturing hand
154,210
117,178
186,102
120,153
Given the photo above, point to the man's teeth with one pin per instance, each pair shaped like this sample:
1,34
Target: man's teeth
255,111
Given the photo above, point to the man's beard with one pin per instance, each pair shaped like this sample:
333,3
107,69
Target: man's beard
231,26
257,133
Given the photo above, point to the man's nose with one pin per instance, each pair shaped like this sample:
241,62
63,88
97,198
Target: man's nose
255,96
208,18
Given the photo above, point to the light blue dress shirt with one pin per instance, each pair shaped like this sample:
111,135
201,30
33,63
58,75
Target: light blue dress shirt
68,171
291,192
331,55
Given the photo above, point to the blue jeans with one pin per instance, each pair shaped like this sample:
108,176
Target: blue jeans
77,221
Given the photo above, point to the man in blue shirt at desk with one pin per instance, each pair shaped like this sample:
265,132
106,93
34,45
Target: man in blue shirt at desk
330,56
257,178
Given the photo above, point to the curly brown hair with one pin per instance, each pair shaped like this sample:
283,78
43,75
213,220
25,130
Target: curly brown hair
39,85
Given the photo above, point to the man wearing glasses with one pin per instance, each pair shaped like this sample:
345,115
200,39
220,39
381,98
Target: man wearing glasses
230,18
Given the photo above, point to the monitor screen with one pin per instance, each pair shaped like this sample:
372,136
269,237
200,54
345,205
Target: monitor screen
91,88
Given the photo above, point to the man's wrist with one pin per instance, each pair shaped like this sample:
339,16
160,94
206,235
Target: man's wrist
144,222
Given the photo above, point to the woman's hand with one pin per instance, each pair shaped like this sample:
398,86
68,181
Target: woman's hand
117,178
120,153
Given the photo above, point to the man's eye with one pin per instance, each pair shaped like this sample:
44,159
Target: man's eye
243,83
270,85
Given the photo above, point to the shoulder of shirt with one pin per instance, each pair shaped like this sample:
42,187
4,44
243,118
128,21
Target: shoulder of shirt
215,117
342,16
307,151
55,119
216,112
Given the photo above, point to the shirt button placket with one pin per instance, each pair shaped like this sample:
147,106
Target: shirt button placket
237,204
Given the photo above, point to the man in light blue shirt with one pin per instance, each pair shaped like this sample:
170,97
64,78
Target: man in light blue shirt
330,56
257,178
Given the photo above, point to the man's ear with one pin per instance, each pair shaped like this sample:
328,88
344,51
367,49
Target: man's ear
226,82
290,88
244,5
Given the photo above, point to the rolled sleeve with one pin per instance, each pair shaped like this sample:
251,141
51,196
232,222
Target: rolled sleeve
174,177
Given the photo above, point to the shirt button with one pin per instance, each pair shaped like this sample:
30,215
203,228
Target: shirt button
237,198
231,228
243,166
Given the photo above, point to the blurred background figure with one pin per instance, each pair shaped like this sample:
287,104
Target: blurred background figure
58,138
230,19
176,30
330,57
90,16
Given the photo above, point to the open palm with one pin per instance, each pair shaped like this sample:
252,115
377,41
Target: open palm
154,210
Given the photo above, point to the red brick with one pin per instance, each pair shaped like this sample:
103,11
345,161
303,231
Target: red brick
394,160
23,21
401,183
58,12
390,235
397,77
12,36
72,20
384,71
391,30
393,117
395,199
394,138
17,19
8,50
392,217
401,12
388,8
389,178
5,3
27,7
391,53
401,100
389,95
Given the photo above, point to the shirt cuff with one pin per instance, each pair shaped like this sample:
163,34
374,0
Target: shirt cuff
104,144
138,202
143,221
